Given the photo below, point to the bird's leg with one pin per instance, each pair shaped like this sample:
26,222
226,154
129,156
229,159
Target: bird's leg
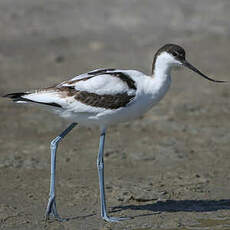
100,166
51,206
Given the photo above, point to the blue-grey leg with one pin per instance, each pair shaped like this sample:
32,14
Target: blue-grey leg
100,166
51,206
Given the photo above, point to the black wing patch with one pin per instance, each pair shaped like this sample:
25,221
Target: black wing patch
100,71
125,78
104,101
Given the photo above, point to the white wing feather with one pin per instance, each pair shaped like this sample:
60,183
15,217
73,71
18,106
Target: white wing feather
99,84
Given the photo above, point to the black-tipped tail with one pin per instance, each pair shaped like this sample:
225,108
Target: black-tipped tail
16,96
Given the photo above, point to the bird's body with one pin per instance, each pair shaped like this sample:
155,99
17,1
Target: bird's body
103,97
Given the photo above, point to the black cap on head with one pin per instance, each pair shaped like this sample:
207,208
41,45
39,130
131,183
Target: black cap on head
176,51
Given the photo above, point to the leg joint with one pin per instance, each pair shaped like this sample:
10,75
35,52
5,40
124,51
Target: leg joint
55,141
100,164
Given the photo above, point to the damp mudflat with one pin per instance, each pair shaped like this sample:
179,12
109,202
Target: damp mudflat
170,169
202,224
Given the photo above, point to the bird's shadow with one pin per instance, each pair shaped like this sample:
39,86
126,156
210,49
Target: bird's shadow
168,206
179,206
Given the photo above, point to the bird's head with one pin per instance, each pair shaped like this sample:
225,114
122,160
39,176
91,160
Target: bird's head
174,56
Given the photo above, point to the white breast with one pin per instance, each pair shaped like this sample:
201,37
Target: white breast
149,91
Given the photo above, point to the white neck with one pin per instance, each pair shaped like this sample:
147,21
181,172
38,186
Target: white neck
160,81
162,67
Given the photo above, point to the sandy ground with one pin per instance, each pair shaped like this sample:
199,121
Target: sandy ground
169,169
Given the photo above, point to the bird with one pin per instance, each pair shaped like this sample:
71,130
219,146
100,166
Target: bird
104,97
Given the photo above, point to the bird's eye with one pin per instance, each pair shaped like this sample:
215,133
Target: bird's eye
174,53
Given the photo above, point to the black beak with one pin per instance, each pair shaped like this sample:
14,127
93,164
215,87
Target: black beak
188,65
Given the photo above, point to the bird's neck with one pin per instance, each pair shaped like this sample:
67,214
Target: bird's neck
161,69
160,80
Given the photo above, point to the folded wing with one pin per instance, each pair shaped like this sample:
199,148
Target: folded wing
103,88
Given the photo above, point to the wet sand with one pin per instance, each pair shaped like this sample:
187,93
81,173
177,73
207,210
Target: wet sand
169,169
